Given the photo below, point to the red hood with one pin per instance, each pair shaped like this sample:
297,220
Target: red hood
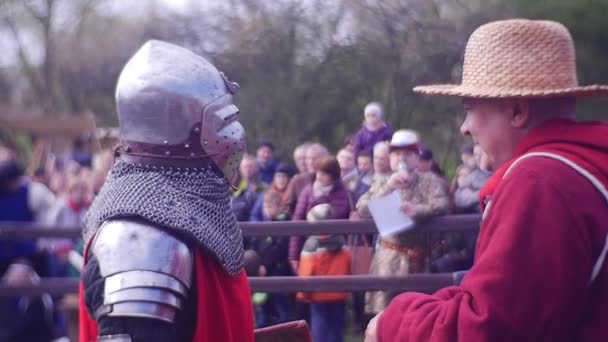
585,143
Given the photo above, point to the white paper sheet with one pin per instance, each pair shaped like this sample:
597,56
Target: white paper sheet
388,216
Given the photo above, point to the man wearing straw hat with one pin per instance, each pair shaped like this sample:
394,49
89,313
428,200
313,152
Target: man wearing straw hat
540,272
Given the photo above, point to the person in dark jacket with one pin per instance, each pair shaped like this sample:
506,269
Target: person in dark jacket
267,164
326,188
279,184
272,251
246,193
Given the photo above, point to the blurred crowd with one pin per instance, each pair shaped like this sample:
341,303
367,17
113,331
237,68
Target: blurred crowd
321,185
56,195
316,185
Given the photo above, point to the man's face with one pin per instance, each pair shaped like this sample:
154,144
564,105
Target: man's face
364,164
488,123
248,168
312,155
410,158
346,160
381,162
264,154
299,157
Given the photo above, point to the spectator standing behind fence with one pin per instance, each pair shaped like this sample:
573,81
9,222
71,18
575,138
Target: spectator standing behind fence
466,196
299,157
267,163
348,169
255,268
25,318
365,165
382,172
366,173
325,255
20,201
273,256
428,162
326,188
375,129
424,195
68,211
466,166
246,193
281,179
313,154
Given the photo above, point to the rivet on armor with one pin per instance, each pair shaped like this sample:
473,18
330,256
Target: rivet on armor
187,146
205,142
166,142
167,153
197,129
192,154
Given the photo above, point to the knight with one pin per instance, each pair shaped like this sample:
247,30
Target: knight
164,255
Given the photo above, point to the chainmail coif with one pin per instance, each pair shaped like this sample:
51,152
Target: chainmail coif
192,204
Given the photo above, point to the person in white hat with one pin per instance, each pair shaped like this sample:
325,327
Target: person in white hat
423,195
540,271
374,130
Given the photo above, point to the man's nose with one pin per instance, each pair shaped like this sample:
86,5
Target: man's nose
464,128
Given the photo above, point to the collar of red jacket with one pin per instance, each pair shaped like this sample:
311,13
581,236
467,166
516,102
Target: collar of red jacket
585,143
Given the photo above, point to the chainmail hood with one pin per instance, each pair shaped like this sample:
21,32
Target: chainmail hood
194,204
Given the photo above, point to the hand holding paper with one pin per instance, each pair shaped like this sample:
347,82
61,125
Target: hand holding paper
388,215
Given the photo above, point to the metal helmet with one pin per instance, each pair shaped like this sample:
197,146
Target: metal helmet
176,111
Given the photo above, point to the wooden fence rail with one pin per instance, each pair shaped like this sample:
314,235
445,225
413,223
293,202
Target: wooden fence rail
462,223
415,282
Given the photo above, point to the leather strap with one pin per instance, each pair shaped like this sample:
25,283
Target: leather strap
189,155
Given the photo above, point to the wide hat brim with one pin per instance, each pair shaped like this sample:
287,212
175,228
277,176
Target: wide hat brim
488,92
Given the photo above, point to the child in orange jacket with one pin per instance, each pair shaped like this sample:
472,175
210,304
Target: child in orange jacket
325,255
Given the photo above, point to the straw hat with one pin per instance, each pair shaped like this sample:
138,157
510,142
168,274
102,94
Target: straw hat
518,58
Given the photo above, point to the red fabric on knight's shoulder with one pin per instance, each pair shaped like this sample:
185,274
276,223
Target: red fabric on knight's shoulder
225,311
537,246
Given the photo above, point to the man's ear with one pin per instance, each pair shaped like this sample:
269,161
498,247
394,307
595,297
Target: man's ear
520,116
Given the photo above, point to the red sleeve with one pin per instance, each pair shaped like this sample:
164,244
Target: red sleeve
529,279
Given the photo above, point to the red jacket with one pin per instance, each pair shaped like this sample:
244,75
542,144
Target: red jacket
224,306
538,244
